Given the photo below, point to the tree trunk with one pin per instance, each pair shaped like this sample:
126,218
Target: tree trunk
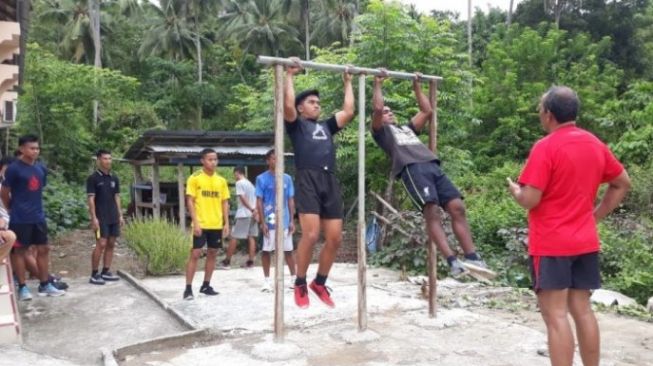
198,47
306,15
94,15
509,21
469,30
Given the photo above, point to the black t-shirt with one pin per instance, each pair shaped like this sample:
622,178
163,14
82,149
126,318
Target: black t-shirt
312,142
402,145
104,188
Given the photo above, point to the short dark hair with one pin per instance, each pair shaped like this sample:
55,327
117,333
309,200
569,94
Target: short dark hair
207,151
305,94
239,169
6,161
269,153
562,102
26,139
101,152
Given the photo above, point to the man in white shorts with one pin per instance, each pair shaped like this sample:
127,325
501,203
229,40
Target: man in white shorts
265,202
246,220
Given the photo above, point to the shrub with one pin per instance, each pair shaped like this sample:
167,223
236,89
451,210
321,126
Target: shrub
64,204
160,243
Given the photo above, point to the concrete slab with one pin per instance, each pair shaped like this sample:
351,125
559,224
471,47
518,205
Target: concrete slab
13,355
75,326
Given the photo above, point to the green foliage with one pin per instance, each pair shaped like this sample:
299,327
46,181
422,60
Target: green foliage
627,256
64,204
160,243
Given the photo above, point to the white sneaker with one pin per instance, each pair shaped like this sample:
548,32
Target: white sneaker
267,286
291,285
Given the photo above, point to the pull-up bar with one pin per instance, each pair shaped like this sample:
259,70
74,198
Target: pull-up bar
355,70
278,64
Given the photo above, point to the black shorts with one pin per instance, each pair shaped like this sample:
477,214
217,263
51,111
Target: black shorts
426,183
109,230
29,234
318,192
210,238
557,273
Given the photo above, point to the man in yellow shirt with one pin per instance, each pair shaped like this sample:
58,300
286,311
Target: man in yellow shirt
208,205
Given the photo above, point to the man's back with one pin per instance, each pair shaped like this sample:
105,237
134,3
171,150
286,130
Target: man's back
245,188
568,166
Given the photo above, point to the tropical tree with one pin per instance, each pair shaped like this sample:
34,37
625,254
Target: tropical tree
260,27
334,21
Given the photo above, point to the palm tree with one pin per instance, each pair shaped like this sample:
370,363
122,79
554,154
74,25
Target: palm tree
77,42
300,9
260,26
170,36
335,20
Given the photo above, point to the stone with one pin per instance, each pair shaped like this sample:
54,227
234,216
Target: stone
611,298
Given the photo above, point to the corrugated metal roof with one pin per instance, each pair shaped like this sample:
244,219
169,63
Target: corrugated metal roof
221,150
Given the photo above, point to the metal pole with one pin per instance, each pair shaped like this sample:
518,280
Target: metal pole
362,255
266,60
278,211
432,259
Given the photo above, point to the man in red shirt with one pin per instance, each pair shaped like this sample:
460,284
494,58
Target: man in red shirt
558,186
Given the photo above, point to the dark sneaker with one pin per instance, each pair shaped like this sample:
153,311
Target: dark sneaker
208,290
49,290
248,265
108,276
322,292
225,264
96,280
301,296
188,294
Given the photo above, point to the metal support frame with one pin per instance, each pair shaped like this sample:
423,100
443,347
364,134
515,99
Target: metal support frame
278,64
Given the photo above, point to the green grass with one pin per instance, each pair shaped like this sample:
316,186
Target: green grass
161,244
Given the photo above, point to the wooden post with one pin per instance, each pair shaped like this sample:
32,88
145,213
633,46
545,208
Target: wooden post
279,211
156,191
362,254
138,194
182,196
432,259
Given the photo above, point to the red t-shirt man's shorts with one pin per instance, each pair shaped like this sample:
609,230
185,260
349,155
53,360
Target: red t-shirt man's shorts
567,166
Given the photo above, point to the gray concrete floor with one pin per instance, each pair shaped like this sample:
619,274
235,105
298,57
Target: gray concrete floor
75,326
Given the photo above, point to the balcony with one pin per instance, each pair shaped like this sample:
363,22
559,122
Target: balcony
9,40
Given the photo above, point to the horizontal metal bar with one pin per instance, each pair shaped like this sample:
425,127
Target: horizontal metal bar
267,60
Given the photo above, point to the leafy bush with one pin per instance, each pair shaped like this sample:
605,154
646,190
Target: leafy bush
65,205
627,256
159,243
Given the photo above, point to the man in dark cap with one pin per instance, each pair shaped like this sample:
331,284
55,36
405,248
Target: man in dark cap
318,196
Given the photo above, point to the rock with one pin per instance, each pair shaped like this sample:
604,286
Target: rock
610,298
649,305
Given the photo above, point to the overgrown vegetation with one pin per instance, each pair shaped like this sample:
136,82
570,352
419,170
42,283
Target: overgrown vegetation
160,244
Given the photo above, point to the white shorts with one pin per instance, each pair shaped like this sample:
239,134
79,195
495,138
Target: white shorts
268,241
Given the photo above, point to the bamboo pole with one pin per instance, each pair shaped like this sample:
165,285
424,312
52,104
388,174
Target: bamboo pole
156,191
182,196
362,254
278,212
432,258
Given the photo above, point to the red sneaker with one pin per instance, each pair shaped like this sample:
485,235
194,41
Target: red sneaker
301,296
323,293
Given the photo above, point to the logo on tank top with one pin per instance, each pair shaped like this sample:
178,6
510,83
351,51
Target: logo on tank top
404,135
319,133
33,184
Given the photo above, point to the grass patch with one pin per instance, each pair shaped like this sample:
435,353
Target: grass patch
160,244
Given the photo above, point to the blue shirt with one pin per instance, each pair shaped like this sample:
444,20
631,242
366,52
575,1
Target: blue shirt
266,191
26,183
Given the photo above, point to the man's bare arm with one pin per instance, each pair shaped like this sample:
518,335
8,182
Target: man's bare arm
425,110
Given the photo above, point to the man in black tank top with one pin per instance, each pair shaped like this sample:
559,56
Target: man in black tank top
427,185
318,196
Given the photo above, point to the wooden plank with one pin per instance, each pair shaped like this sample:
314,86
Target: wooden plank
182,196
138,195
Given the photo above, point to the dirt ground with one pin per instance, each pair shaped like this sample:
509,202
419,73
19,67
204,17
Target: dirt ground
71,256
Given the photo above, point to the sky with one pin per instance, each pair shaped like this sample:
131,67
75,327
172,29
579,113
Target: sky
459,6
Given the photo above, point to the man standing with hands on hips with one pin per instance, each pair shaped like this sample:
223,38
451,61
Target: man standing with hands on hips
558,186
